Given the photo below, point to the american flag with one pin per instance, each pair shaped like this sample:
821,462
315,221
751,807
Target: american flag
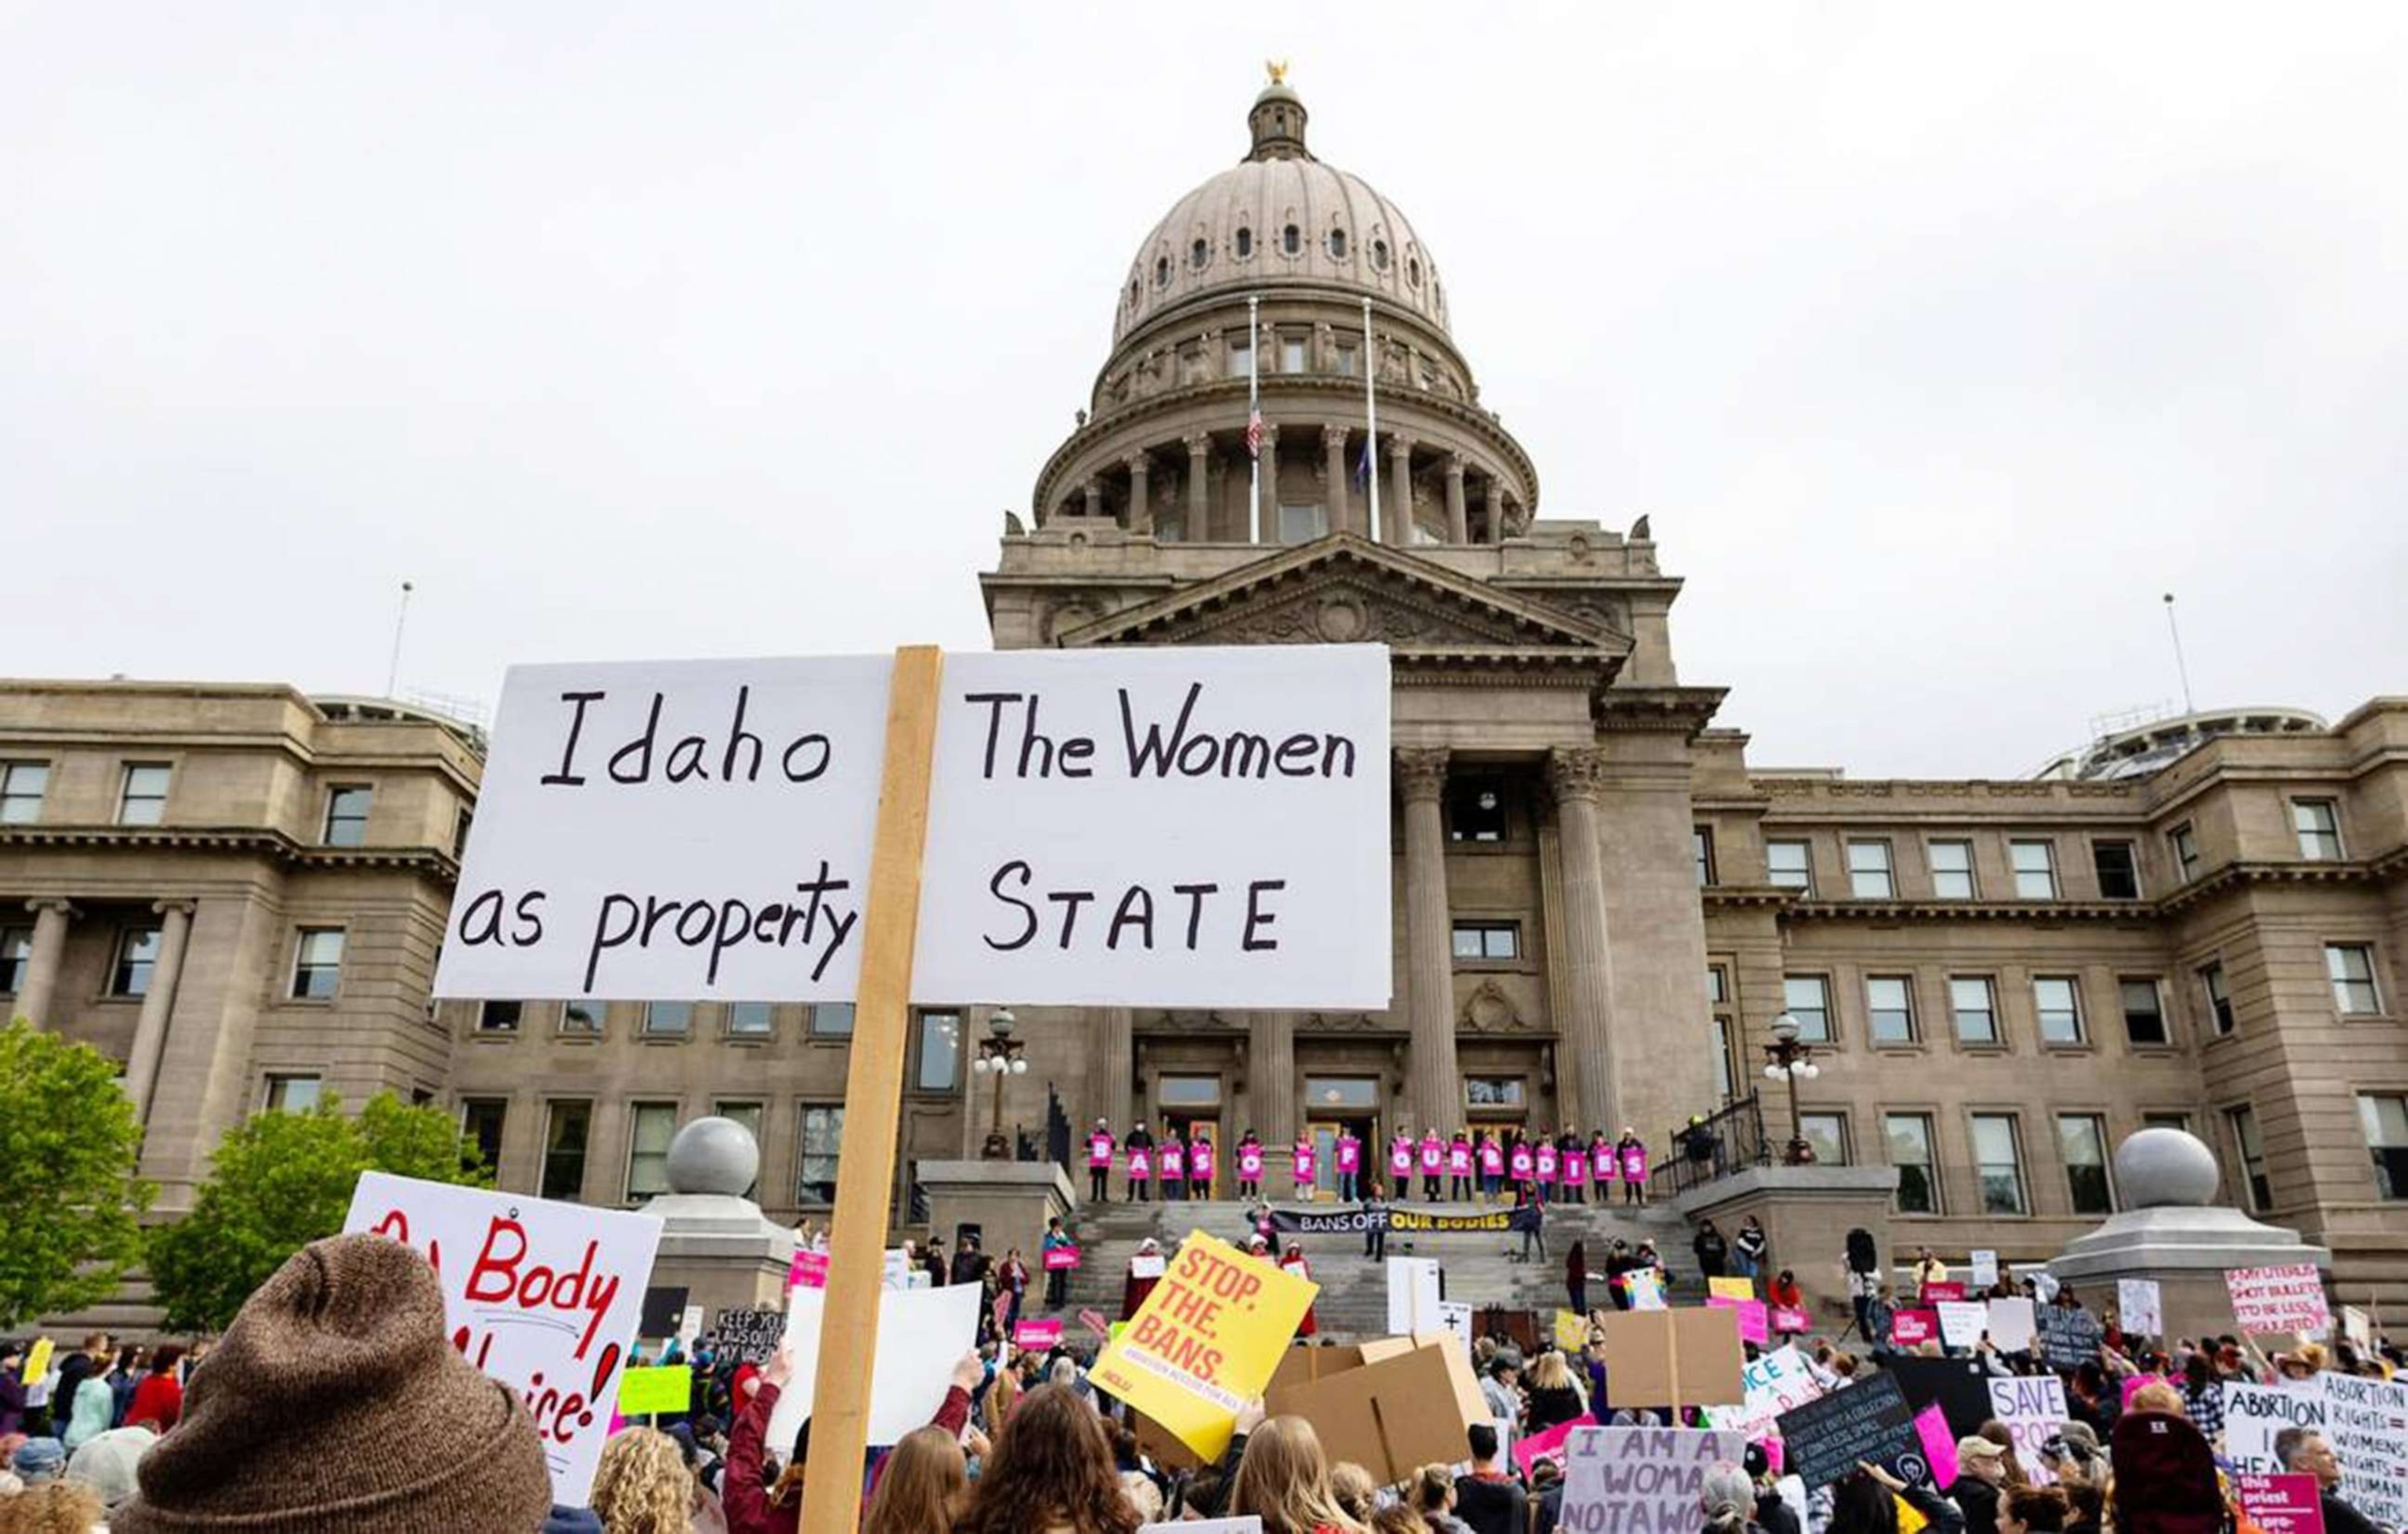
1363,466
1255,433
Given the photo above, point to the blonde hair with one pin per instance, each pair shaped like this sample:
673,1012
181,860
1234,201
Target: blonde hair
2158,1396
1284,1478
1142,1495
923,1486
1551,1372
1432,1485
642,1485
54,1507
1354,1487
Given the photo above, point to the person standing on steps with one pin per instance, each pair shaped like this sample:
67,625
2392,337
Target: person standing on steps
1100,1146
1347,1151
1575,1165
1519,1164
1400,1162
1713,1252
1748,1248
1459,1167
1250,1166
1293,1260
1576,1278
1604,1168
1632,1153
1375,1222
1300,1163
1171,1160
1199,1166
1534,1233
1492,1166
1139,1148
1057,1280
1433,1163
1549,1167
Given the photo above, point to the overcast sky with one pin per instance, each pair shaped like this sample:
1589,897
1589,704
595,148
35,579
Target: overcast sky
1938,340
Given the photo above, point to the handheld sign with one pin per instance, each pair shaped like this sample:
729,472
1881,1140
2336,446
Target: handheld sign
2032,1407
2279,1299
1868,1423
2282,1504
921,1332
544,1297
1640,1478
750,1336
1205,1341
2138,1306
646,1391
1773,1384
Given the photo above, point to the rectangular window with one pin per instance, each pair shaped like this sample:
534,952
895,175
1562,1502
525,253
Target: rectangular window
1725,1061
16,957
1952,870
940,1051
1910,1152
1717,985
1241,358
832,1020
668,1019
292,1094
1335,1093
2057,999
499,1016
460,832
1790,865
1346,359
2318,823
564,1129
2384,1116
2118,866
2035,864
2082,1141
823,1128
651,1127
2165,1121
2219,999
2243,1124
480,1129
21,787
318,962
1187,1091
2145,1012
749,1020
1889,1005
1303,523
1475,809
2184,843
584,1016
2352,968
1291,354
346,815
1492,1092
1996,1160
1487,940
142,797
1808,998
1976,1004
1827,1133
1868,873
137,952
1701,843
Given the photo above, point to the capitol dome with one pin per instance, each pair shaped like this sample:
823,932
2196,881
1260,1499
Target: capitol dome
1279,218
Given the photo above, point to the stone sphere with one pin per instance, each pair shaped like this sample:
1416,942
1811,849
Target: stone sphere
2158,1167
713,1155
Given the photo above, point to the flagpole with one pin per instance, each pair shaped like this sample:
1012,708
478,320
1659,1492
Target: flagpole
1371,417
1254,411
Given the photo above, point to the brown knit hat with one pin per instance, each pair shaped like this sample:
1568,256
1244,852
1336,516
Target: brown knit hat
337,1401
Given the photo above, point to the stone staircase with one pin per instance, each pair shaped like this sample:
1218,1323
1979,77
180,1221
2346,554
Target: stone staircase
1479,1269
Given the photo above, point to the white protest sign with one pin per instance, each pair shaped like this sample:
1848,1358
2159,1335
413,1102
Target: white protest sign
1412,1296
1776,1382
2137,1306
1625,1480
1646,1289
2366,1422
2356,1325
2254,1414
1176,826
922,1333
2044,1283
1456,1318
1962,1321
1986,1268
544,1297
2011,1325
2290,1297
2032,1407
898,1270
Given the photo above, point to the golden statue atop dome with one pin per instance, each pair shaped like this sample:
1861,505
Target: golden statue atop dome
1276,69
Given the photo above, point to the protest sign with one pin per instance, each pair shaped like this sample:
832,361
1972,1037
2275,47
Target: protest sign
2282,1504
1549,1445
1095,1321
921,1334
2275,1299
1572,1331
2366,1422
1868,1423
645,1391
2356,1326
2069,1338
1986,1268
899,1270
1789,1321
1457,1319
1151,1265
701,829
1061,1259
1625,1480
1958,1387
1940,1291
37,1364
533,1291
2137,1306
2254,1414
1755,1319
1939,1444
660,1313
2044,1283
1037,1336
690,1326
1205,1341
1685,1358
1773,1384
1731,1288
2032,1407
809,1271
1389,1405
1910,1328
1412,1296
751,1336
1962,1321
2012,1325
1646,1289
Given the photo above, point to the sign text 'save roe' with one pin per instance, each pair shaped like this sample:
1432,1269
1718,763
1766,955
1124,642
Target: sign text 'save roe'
1180,828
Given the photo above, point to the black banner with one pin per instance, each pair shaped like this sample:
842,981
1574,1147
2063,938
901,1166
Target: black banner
1870,1423
1344,1221
1961,1386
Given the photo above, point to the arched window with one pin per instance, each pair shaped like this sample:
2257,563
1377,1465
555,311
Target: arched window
1338,245
1133,292
1380,254
1413,272
1291,240
1197,254
1245,242
1162,271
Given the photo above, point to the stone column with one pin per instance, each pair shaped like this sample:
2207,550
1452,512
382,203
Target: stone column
1270,484
1140,518
158,1005
1094,490
1333,447
1200,524
51,918
1271,1081
1495,509
1437,1092
1575,774
1117,1052
1458,528
1399,508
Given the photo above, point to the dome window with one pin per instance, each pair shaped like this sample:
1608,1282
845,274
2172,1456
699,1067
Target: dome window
1199,254
1134,292
1291,240
1162,271
1380,254
1413,272
1245,242
1338,245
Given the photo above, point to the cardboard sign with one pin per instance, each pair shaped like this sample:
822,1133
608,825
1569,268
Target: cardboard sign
1178,827
1778,1382
1412,1296
645,1391
1913,1329
1755,1318
921,1334
1790,1321
1960,1387
1731,1288
1868,1423
2137,1307
1986,1268
1037,1336
2282,1504
751,1336
2032,1407
1549,1445
1405,1402
1205,1341
1640,1478
1962,1321
1685,1358
1061,1259
2069,1338
2012,1325
2276,1299
661,1311
1939,1444
531,1287
809,1271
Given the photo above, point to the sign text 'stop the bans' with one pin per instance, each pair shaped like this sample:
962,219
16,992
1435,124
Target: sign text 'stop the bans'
1168,827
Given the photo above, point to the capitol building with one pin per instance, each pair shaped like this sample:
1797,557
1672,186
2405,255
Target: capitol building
1602,904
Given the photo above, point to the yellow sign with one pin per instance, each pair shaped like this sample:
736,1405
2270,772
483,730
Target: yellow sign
1205,1341
667,1388
37,1362
1572,1331
1731,1288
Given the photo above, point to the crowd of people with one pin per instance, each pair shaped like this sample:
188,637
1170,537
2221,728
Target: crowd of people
1464,1165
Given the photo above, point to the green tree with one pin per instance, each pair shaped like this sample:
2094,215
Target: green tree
280,1181
70,1205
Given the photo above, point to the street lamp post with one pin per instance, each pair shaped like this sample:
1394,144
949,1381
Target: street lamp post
999,1056
1791,1058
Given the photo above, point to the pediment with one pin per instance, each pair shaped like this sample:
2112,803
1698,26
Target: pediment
1344,590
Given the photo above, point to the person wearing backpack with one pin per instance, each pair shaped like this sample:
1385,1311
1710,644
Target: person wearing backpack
2165,1479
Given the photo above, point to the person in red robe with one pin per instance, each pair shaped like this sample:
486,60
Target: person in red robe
1293,1260
1134,1289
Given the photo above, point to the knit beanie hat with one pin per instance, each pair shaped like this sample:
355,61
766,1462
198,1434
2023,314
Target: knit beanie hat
336,1400
39,1459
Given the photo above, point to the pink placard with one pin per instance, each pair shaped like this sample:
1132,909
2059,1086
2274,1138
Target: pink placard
1527,1452
1939,1444
1634,1165
1094,1320
1912,1329
1753,1317
1099,1150
1033,1334
810,1272
1350,1156
1303,1165
1772,1453
1459,1160
1061,1258
2282,1504
1789,1319
1933,1292
1492,1160
1250,1163
2136,1382
1400,1159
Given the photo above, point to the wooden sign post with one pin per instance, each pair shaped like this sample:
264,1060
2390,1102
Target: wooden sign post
873,1096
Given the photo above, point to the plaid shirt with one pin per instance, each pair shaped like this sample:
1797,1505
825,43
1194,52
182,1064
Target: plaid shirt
2205,1406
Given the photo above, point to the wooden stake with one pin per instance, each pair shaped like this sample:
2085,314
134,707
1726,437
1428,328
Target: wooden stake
873,1100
